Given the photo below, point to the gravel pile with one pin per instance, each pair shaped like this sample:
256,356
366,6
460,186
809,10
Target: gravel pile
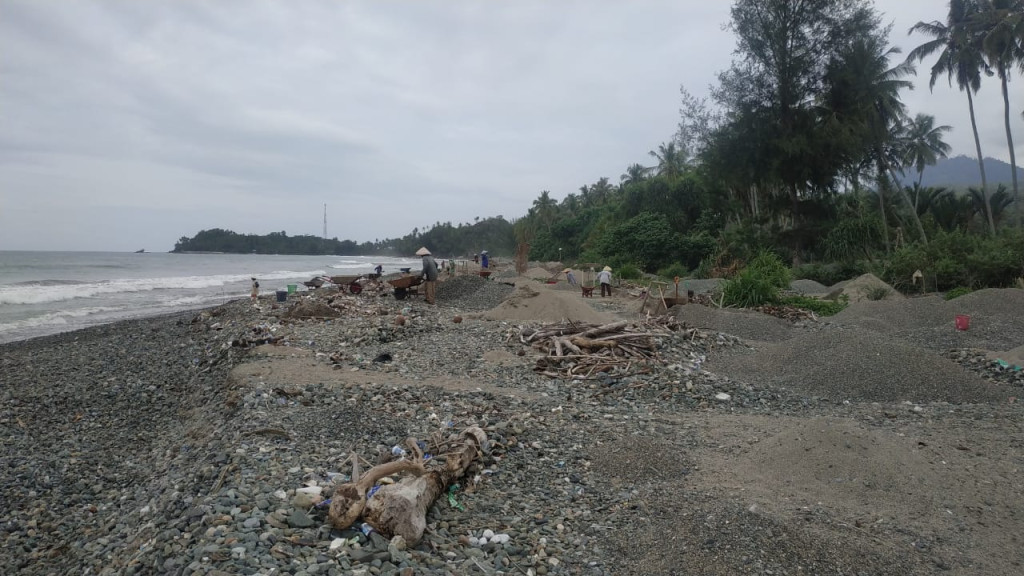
746,324
809,287
929,322
470,292
157,447
858,365
980,363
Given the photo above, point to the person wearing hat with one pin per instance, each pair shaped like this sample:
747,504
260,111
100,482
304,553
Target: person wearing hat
605,278
570,277
485,260
429,275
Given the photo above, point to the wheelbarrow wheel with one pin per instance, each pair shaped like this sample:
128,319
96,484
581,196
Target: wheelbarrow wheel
355,288
401,293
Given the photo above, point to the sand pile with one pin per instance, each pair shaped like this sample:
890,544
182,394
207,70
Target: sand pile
747,324
858,365
538,272
862,286
535,302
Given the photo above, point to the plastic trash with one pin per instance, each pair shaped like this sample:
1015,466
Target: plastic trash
397,450
451,498
366,529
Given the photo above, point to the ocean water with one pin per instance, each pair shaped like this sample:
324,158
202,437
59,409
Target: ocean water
45,293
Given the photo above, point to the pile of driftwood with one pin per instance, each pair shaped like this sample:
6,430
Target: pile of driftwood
791,313
585,351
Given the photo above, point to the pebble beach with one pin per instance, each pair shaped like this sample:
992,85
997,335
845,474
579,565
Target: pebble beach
204,442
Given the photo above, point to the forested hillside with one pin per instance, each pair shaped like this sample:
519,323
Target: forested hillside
962,171
491,234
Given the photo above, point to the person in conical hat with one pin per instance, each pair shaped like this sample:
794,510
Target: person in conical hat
570,277
605,278
429,275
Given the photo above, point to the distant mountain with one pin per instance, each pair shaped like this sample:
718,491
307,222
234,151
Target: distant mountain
960,171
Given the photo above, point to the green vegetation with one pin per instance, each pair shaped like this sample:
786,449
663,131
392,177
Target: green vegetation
803,162
629,272
805,149
876,293
757,284
819,307
957,292
491,234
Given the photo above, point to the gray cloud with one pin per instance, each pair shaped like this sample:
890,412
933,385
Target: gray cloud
129,124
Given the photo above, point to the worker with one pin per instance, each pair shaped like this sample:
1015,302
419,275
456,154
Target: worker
484,259
605,278
378,270
255,294
570,277
429,275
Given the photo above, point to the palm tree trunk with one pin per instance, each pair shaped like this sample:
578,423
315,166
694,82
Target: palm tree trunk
913,208
1013,157
882,183
981,165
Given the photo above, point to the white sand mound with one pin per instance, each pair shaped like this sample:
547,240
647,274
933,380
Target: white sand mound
534,302
862,286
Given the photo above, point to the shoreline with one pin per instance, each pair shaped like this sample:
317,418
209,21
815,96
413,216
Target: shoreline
153,446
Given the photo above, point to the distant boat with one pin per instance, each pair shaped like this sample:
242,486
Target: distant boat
140,250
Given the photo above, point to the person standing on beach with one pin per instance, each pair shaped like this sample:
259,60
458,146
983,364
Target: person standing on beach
255,294
570,277
485,260
605,278
429,275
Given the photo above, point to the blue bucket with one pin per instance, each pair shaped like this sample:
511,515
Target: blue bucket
282,295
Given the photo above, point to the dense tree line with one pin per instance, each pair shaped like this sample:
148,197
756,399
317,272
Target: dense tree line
491,234
804,152
803,149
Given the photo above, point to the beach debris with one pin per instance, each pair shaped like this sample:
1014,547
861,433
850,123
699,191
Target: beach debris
586,352
791,313
400,508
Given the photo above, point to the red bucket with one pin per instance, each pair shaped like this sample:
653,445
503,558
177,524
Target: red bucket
963,322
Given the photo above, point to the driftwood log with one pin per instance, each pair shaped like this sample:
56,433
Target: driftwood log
400,509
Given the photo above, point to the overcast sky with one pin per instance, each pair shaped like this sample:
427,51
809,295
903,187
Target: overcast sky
126,125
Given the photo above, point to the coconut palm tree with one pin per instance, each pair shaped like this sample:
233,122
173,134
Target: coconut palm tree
633,174
602,190
960,58
545,207
875,89
1001,25
671,159
924,144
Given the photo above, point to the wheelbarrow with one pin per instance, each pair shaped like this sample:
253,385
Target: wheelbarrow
315,282
405,286
351,281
